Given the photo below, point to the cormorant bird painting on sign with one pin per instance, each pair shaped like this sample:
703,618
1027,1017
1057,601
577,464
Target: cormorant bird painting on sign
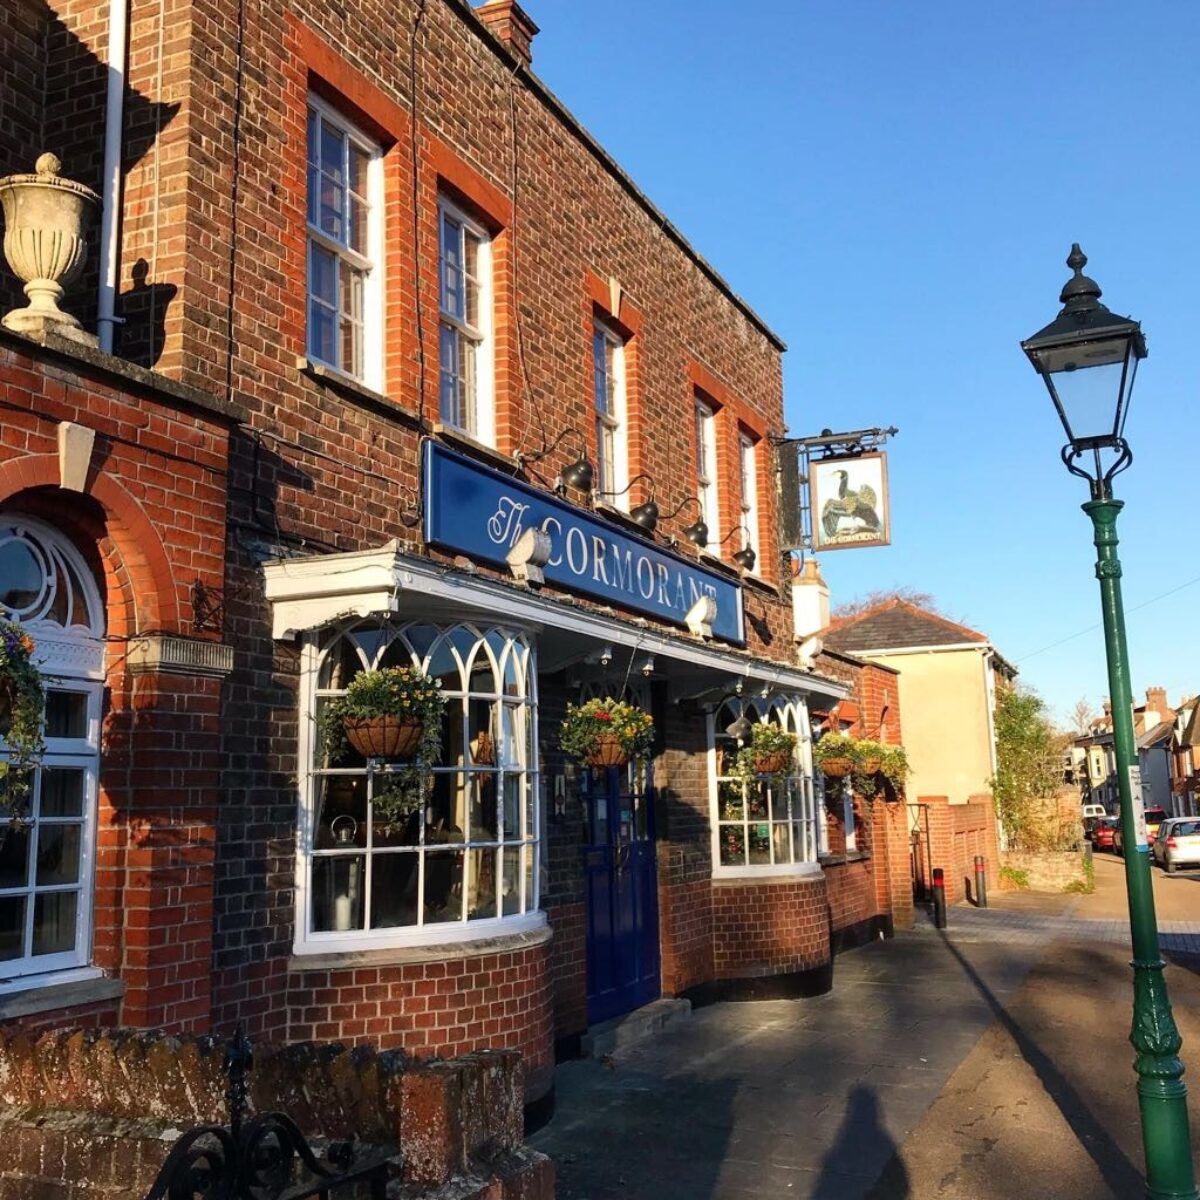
849,502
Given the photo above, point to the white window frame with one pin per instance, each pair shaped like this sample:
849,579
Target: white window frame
481,406
615,421
792,713
370,371
748,466
309,941
706,472
70,659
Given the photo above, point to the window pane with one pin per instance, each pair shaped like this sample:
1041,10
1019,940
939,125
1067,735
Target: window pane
760,844
451,270
14,858
443,886
733,845
510,898
730,799
322,274
448,349
511,813
783,853
66,714
12,926
481,902
330,207
58,855
21,577
62,792
341,811
530,861
394,890
338,893
600,361
482,827
332,145
54,922
359,162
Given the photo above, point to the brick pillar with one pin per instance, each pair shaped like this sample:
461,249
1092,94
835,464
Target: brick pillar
890,860
162,785
941,843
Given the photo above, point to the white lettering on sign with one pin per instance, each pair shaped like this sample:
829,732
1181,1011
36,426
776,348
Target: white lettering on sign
605,562
1141,833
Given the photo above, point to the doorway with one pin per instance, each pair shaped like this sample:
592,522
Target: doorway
621,880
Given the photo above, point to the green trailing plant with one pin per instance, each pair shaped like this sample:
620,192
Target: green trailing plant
766,741
1015,878
397,795
22,706
392,691
585,724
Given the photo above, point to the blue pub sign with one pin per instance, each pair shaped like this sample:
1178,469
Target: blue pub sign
474,510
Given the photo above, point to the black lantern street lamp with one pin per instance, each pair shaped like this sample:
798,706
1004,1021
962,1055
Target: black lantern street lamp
1087,358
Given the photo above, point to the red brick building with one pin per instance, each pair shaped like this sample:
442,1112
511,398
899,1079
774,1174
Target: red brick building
379,300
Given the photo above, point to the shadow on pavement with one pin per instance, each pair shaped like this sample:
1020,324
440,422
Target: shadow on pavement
860,1127
1123,1176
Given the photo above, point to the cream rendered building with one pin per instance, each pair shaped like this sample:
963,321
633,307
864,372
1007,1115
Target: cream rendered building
948,680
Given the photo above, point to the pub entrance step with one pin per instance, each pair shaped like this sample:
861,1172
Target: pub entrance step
627,1030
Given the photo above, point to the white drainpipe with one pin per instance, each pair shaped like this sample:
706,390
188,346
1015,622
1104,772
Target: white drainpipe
110,222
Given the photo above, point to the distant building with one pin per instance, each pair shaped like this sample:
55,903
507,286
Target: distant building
947,685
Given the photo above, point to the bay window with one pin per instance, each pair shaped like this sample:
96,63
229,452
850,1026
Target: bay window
761,823
389,861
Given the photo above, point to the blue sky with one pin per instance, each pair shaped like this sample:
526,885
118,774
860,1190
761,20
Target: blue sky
894,187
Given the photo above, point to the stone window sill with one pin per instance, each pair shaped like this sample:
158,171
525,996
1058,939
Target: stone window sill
763,585
344,960
353,389
837,860
459,440
45,994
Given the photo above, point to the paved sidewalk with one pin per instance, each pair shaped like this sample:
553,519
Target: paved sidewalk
805,1098
986,1063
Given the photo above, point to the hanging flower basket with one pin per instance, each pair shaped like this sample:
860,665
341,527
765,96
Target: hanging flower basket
772,764
395,712
606,733
836,767
384,736
870,764
607,751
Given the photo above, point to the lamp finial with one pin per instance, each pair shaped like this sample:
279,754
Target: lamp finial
1079,291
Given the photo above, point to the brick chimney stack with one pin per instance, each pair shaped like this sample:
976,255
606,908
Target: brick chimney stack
510,24
1156,702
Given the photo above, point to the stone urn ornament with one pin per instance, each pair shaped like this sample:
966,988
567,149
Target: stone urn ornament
45,243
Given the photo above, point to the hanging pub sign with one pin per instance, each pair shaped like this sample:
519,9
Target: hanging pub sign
850,502
474,510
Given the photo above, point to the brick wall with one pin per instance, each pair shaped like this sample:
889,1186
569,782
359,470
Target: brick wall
957,832
766,928
445,1008
152,524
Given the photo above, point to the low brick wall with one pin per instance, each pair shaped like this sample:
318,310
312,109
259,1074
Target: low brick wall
770,927
1046,870
121,1098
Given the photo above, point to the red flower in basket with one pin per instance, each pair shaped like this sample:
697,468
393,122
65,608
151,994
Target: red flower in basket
603,716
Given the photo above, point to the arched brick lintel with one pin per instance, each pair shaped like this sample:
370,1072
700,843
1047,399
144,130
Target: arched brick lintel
135,538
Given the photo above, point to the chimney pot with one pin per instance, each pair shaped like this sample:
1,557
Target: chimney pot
511,25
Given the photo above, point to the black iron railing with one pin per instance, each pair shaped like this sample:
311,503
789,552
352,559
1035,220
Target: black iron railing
264,1158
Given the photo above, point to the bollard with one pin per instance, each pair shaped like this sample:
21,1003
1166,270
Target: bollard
980,881
939,898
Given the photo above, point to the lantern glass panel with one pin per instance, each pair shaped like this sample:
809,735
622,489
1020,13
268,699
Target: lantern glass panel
1091,386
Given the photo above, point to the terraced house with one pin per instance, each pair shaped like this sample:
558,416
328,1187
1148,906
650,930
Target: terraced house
382,360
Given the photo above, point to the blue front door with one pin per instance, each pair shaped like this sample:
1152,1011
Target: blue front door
622,893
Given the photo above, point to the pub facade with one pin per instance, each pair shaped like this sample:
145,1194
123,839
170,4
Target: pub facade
387,363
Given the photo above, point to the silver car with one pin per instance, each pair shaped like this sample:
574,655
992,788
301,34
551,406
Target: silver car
1178,843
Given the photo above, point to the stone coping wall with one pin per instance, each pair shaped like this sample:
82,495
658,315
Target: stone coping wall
1047,870
443,1117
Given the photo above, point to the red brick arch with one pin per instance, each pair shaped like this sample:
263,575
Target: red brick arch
143,556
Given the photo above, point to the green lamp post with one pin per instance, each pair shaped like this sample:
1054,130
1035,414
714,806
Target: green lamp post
1087,358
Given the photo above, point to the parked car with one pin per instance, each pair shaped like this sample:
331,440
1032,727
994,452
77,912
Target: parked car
1103,833
1093,810
1177,844
1154,818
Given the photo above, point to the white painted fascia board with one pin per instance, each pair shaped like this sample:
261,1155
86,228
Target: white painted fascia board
884,651
317,590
